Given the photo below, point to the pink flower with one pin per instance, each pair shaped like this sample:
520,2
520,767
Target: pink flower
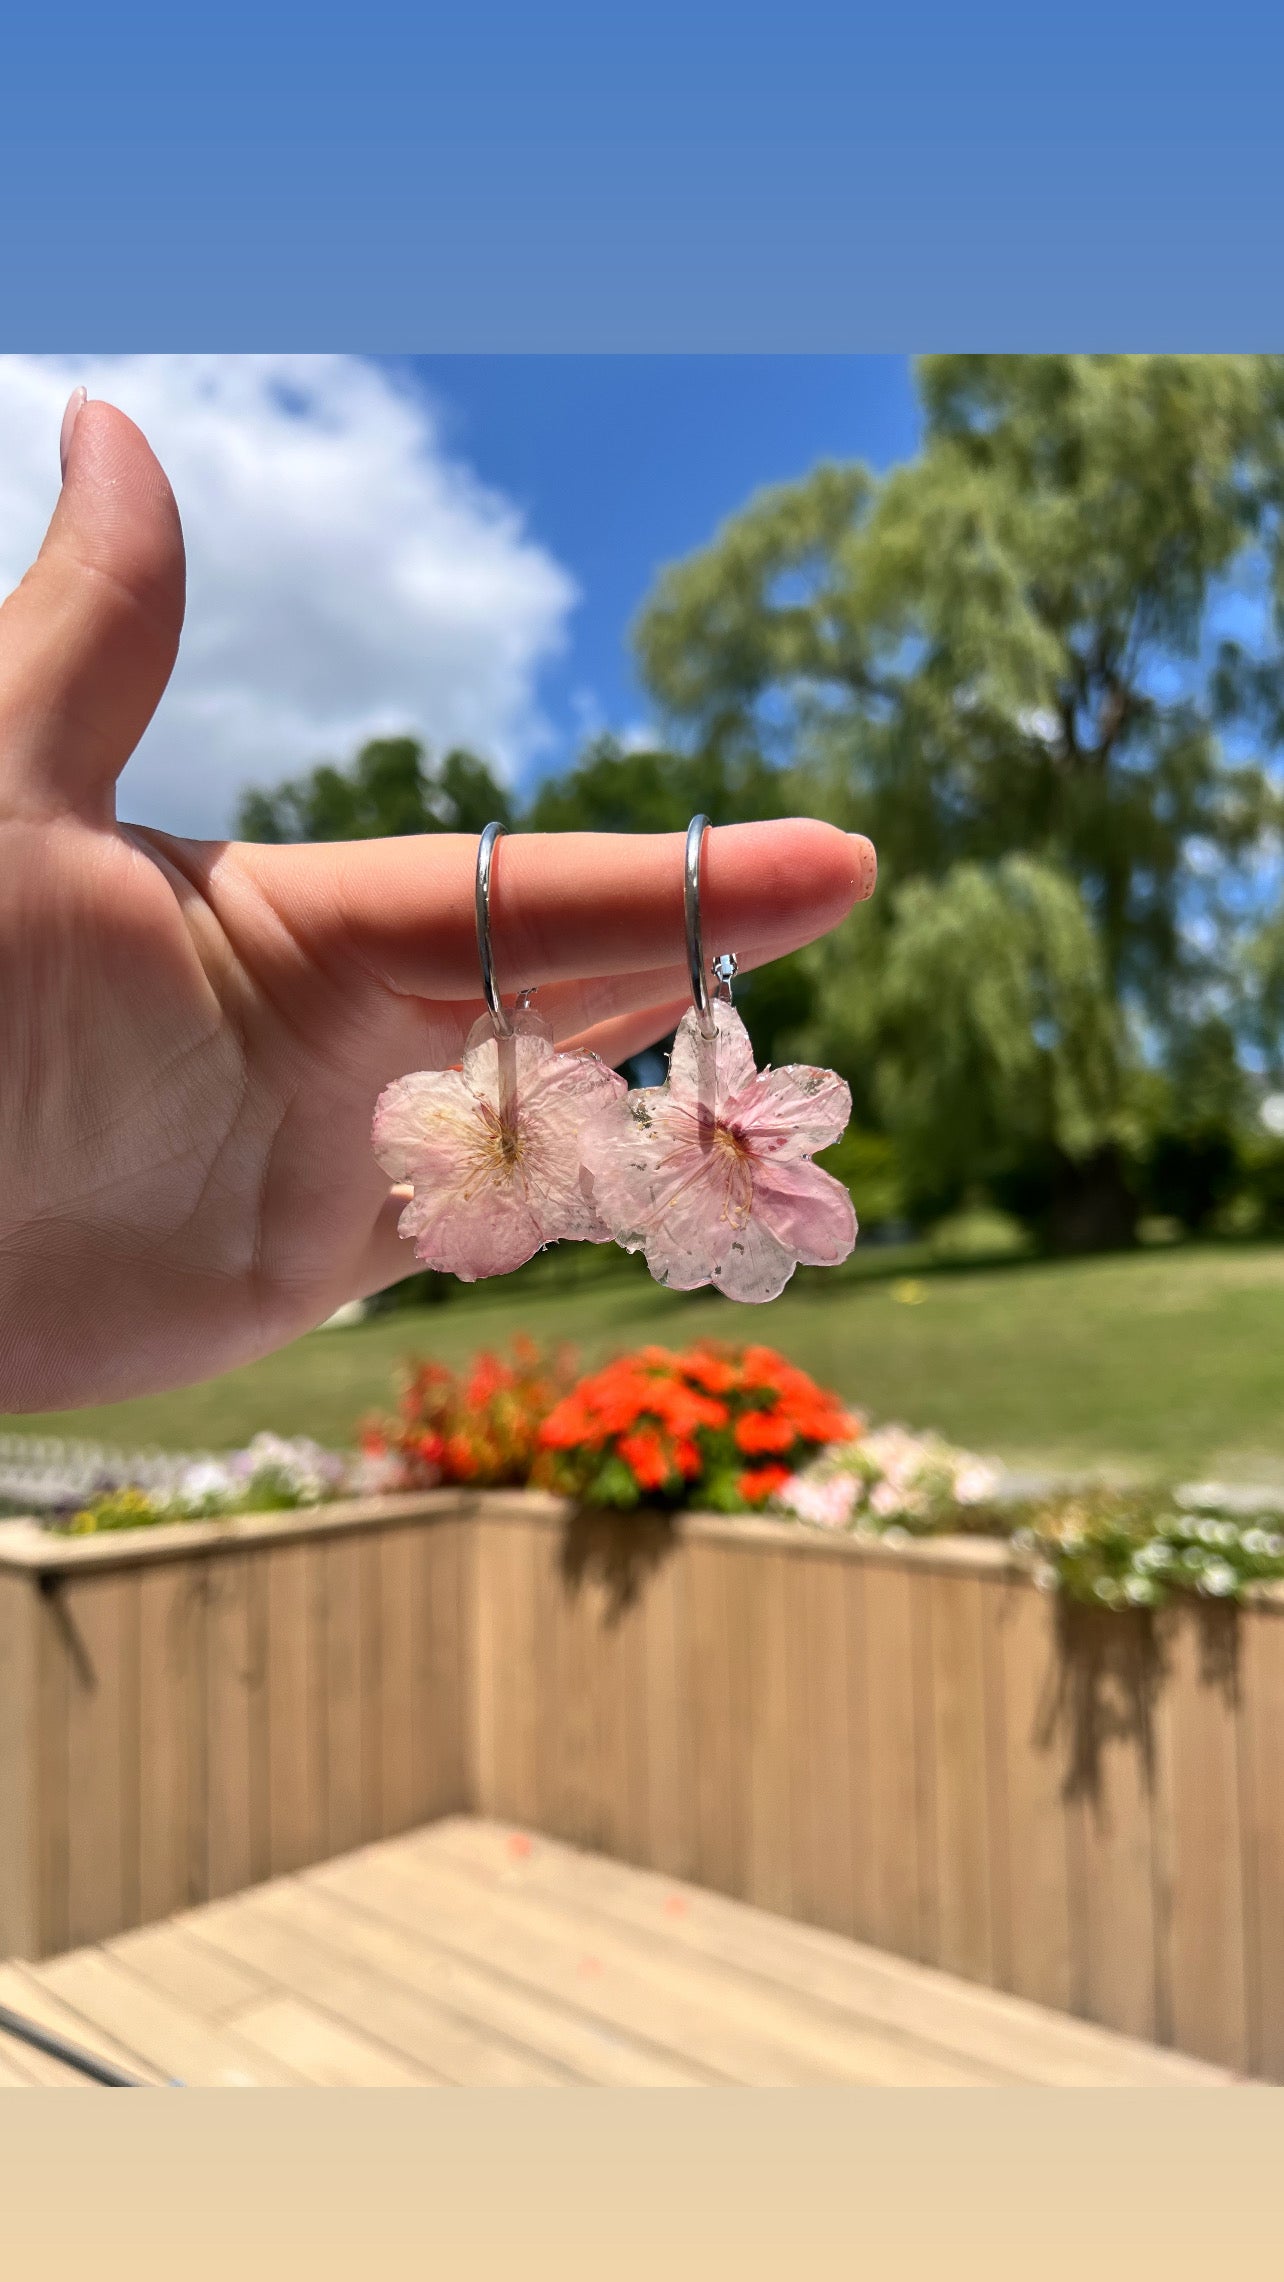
492,1150
710,1174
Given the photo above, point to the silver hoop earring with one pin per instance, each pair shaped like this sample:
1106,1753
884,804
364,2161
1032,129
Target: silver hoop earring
726,966
486,847
710,1174
492,1149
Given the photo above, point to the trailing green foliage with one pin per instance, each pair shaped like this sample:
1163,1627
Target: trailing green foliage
1120,1550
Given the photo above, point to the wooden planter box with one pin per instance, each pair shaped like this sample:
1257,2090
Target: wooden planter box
907,1744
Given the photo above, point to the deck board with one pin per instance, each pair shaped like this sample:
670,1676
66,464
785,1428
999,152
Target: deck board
471,1953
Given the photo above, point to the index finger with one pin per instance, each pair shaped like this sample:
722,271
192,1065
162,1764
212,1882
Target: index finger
563,905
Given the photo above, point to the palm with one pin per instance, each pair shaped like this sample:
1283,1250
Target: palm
193,1035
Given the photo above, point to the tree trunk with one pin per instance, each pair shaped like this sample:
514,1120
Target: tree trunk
1092,1207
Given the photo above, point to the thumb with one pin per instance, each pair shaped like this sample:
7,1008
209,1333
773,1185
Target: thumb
88,641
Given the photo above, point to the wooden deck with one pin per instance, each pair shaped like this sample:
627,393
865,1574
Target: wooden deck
469,1953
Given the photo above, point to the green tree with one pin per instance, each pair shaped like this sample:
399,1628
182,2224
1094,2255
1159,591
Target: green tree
390,789
613,789
997,1047
1056,631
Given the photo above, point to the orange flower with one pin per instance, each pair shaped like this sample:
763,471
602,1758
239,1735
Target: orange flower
757,1483
644,1455
762,1430
459,1459
485,1381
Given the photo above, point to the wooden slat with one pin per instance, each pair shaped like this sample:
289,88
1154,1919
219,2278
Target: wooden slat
53,1689
21,2066
670,1809
186,1971
338,1567
1035,1859
489,1549
447,1682
319,2050
508,1602
19,1767
717,1594
999,2032
734,2025
172,1733
769,1741
378,1931
859,1756
1113,1829
391,1678
891,1777
961,1784
571,1705
1197,1749
24,1990
635,1740
606,1637
1261,1779
235,1684
296,1809
264,1931
112,2001
100,1614
820,1826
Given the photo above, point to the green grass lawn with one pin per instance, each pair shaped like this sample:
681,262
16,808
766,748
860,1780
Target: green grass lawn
1167,1361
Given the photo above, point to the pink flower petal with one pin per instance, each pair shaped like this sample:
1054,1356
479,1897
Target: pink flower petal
709,1072
710,1175
488,1233
792,1112
417,1115
493,1151
807,1211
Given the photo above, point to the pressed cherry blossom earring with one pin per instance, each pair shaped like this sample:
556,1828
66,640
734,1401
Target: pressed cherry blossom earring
710,1174
491,1149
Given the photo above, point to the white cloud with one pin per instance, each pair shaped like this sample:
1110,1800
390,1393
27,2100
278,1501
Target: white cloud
346,577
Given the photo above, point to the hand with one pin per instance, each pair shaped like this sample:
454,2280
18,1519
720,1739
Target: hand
193,1034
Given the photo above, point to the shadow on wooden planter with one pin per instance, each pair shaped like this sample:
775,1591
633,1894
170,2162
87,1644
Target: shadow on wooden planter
907,1744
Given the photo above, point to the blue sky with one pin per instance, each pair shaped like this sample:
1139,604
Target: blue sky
621,464
567,174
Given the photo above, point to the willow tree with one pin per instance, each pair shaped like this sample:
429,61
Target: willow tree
1056,631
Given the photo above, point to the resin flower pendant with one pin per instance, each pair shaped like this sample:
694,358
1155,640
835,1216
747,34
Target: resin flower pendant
492,1150
710,1174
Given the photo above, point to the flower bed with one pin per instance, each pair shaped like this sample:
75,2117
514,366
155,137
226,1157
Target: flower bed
711,1428
715,1428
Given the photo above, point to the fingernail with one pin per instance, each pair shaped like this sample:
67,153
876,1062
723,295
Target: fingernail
866,864
77,397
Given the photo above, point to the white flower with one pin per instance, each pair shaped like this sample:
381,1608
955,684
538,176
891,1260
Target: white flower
206,1478
375,1472
974,1482
827,1504
1218,1578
